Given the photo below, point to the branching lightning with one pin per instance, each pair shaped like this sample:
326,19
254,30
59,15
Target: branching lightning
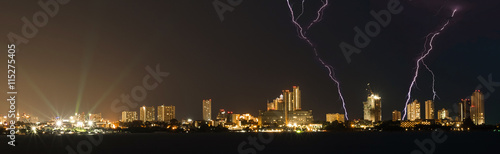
302,35
429,41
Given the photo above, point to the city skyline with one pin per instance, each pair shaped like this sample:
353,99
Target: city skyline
244,76
372,108
89,79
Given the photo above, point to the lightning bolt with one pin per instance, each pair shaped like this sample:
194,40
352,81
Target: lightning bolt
319,17
430,39
302,35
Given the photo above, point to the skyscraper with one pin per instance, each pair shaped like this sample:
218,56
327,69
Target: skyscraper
287,110
396,115
166,113
147,114
222,116
443,114
429,109
296,98
477,107
373,108
413,111
207,110
129,116
464,107
288,99
271,106
278,103
288,103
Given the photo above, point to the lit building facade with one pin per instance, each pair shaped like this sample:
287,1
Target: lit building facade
3,120
331,117
222,116
276,104
232,117
413,111
166,113
278,117
129,116
477,108
286,109
147,114
373,108
271,106
443,114
429,109
296,98
207,110
464,107
292,99
396,115
96,117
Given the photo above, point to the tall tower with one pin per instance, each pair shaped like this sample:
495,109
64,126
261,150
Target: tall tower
413,111
396,115
278,103
464,107
378,109
477,107
429,109
373,108
147,114
166,113
443,114
296,98
288,100
207,110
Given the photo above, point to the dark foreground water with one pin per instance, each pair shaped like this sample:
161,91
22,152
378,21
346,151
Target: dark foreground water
305,143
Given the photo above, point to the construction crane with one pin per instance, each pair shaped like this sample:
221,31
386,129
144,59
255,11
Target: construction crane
369,89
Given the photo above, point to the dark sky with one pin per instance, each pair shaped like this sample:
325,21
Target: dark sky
98,50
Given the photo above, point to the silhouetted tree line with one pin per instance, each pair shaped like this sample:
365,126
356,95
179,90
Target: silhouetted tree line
173,126
336,126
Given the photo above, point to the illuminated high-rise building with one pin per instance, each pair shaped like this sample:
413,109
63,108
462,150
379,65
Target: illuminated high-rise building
129,116
443,114
278,103
271,106
396,115
296,98
147,114
413,111
373,108
477,107
288,99
207,110
166,113
464,107
429,109
331,117
222,116
287,110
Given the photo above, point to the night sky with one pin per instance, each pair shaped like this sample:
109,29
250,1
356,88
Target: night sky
93,51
